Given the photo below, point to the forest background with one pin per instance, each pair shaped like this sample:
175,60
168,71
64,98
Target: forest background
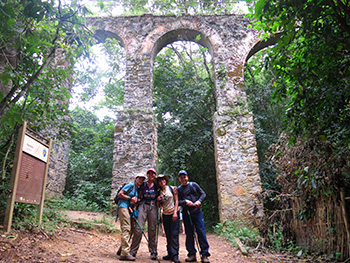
298,91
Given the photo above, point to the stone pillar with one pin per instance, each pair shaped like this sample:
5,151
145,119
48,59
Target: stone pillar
235,146
56,177
135,148
61,141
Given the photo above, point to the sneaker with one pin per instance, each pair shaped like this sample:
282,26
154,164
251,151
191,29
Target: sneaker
176,259
167,257
191,258
127,258
205,259
153,256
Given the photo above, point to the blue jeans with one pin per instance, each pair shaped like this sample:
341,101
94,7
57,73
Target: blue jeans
196,221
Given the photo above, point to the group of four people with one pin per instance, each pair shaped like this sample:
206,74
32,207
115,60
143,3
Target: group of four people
151,195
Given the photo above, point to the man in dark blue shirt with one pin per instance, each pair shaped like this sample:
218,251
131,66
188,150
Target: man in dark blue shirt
191,195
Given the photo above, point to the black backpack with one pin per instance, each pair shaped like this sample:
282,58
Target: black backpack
117,199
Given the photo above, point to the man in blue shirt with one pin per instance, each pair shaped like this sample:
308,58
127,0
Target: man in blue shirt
129,197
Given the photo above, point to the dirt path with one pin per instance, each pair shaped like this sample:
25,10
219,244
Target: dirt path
80,245
221,251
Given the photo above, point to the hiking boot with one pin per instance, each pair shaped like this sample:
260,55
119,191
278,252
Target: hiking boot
127,258
191,258
205,259
176,259
167,257
153,256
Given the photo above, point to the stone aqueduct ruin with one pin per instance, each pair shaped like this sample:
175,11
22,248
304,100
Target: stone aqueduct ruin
230,42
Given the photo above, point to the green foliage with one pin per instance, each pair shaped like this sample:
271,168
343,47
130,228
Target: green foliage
280,242
249,236
88,180
268,120
39,41
184,104
310,64
32,34
79,202
170,7
311,60
103,72
25,217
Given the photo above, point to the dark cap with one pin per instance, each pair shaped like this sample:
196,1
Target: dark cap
162,176
182,172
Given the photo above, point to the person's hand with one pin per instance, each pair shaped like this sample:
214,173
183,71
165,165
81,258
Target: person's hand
197,203
159,198
134,200
189,203
174,216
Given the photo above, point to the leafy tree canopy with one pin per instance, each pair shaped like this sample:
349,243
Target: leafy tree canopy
169,7
311,64
90,166
39,41
103,73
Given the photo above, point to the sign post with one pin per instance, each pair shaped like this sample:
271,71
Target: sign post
29,173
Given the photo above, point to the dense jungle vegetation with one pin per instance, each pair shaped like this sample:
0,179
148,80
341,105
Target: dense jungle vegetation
298,91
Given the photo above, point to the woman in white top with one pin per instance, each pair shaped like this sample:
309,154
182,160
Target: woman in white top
169,202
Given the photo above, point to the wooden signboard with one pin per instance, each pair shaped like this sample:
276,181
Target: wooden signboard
30,181
29,173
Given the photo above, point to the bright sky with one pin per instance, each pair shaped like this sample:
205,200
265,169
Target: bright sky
77,89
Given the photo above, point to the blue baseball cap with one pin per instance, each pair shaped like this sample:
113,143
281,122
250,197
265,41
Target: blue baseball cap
182,172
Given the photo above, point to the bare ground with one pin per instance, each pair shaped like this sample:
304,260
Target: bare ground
72,244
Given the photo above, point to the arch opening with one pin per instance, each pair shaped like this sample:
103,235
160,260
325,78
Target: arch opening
184,104
181,35
98,95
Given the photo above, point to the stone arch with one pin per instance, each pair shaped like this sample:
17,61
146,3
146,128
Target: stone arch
230,41
261,44
181,35
102,35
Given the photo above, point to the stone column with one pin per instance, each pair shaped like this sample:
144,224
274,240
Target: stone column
235,146
135,148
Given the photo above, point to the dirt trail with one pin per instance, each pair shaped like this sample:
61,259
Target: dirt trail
81,245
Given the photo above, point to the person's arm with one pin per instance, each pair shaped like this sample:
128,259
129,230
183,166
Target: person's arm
140,192
123,195
180,198
176,198
201,193
186,196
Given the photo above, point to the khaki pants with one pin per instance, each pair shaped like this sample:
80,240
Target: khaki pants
147,213
127,228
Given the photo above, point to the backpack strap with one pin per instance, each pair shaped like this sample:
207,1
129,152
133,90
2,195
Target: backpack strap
131,188
171,190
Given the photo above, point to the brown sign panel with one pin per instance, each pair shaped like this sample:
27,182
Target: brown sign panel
30,181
